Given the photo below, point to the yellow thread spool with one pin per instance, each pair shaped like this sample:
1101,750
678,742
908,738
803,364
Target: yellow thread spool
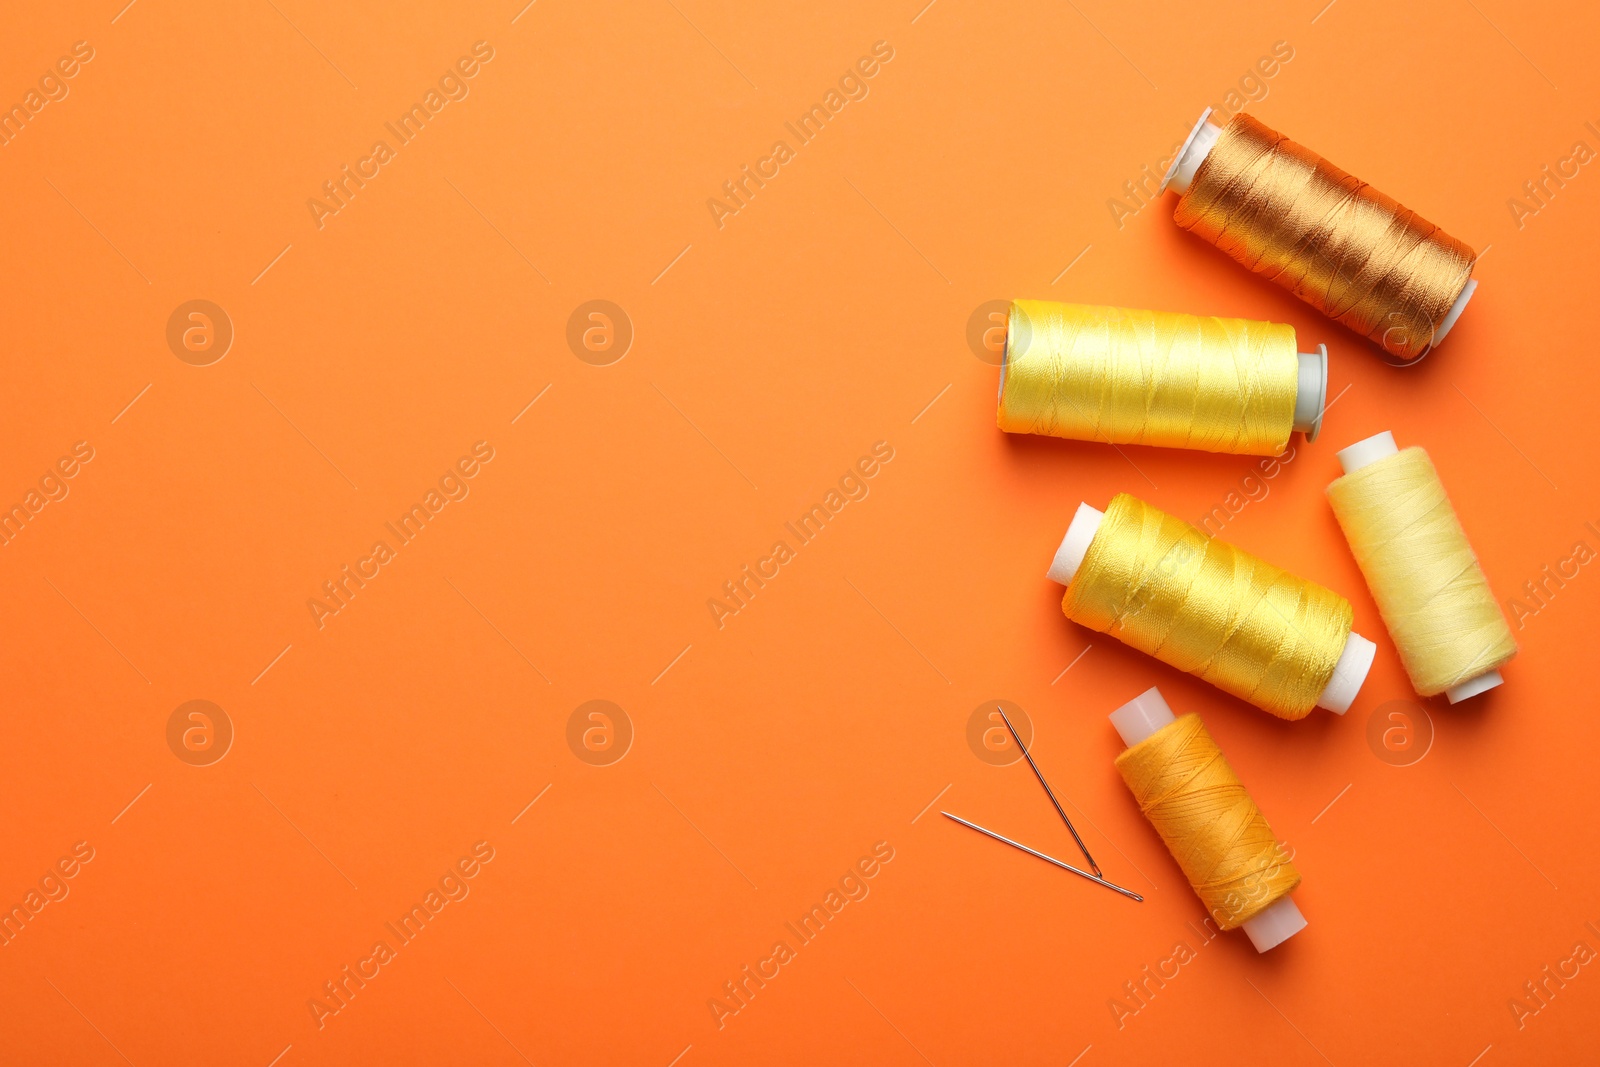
1127,376
1203,606
1430,589
1185,787
1332,240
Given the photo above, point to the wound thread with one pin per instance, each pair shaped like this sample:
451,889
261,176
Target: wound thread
1428,584
1203,606
1329,238
1128,376
1184,785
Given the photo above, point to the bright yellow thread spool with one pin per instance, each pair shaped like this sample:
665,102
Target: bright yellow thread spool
1332,240
1429,586
1127,376
1184,785
1203,606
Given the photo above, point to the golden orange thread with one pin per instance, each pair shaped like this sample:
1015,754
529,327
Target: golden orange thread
1185,787
1129,376
1208,608
1329,238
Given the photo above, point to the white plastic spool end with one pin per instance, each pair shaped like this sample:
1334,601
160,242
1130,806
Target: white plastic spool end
1455,311
1473,686
1194,151
1349,674
1311,396
1069,557
1137,720
1367,451
1278,923
1142,716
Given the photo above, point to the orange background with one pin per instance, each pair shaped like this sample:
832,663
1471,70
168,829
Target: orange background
772,753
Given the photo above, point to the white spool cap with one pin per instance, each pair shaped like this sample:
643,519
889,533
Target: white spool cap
1311,395
1280,921
1348,674
1191,155
1455,311
1367,451
1069,557
1371,450
1473,686
1143,716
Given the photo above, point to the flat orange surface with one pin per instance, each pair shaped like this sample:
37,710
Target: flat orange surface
422,843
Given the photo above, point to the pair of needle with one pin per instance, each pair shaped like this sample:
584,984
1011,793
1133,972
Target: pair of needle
1095,877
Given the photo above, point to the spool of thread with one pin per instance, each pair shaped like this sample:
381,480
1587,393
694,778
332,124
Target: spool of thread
1332,240
1158,378
1187,790
1203,606
1430,589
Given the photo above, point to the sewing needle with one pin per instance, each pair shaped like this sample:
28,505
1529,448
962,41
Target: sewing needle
1048,859
1037,773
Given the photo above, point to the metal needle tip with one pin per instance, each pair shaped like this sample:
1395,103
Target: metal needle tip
1037,773
1048,859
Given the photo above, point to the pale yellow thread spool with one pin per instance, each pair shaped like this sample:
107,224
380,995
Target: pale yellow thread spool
1186,788
1157,583
1127,376
1430,589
